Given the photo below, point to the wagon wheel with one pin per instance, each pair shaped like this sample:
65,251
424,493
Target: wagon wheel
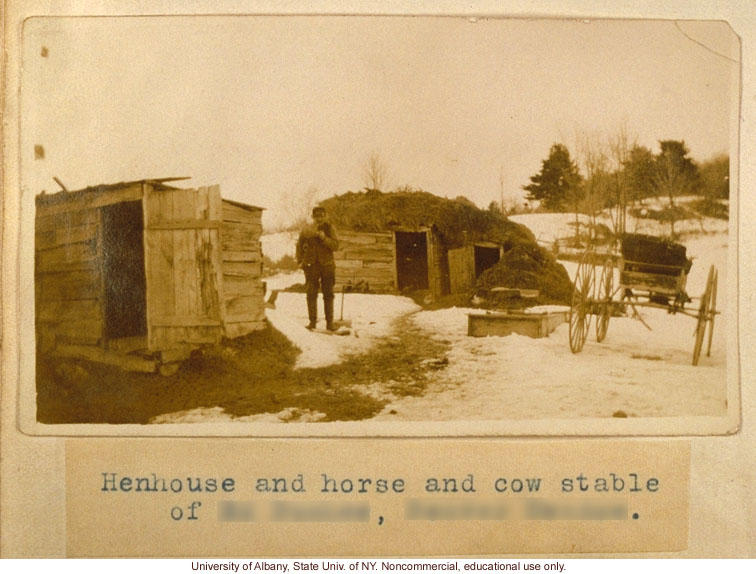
703,315
582,301
712,311
605,292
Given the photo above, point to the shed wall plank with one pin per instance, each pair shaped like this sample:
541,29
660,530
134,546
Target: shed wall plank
184,274
250,256
234,286
71,310
364,272
243,305
257,315
73,257
239,214
52,222
240,237
369,254
65,235
185,321
84,331
241,269
68,286
90,200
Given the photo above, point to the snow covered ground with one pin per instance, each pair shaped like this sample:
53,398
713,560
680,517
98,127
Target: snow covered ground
371,317
550,226
634,372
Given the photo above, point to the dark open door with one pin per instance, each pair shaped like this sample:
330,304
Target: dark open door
125,288
485,257
411,260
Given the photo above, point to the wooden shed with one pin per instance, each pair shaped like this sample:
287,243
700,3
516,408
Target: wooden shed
468,262
392,261
140,273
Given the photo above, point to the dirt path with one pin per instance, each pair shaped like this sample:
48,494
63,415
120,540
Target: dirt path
400,365
242,379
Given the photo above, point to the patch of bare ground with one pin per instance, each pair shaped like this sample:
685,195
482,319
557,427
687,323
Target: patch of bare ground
246,376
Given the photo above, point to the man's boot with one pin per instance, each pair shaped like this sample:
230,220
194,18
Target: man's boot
312,311
328,304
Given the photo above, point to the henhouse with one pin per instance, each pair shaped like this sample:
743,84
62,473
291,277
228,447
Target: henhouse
140,273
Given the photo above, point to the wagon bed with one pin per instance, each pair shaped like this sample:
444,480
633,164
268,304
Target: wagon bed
654,265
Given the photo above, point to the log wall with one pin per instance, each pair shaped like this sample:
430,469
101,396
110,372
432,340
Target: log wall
243,298
367,258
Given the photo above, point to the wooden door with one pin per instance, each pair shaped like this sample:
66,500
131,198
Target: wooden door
183,266
461,269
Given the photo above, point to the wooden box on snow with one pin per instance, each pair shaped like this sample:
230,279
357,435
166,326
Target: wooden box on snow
499,324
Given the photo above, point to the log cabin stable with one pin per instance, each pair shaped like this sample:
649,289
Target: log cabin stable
391,261
139,274
410,260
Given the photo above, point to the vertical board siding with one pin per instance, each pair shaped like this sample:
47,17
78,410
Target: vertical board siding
461,269
436,265
183,262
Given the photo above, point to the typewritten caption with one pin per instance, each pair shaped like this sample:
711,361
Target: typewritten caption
416,508
375,498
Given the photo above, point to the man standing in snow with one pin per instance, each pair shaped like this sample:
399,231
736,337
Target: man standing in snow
315,248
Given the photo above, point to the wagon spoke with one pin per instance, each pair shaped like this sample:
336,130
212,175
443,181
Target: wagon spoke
606,289
712,312
703,315
582,296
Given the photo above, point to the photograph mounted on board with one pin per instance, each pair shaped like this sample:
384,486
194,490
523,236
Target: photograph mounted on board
341,225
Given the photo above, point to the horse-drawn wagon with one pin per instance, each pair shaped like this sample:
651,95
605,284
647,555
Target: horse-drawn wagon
651,272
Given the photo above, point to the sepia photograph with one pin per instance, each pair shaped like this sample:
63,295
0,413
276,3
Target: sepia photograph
359,225
377,286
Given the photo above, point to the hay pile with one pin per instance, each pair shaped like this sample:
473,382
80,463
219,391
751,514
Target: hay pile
525,266
457,221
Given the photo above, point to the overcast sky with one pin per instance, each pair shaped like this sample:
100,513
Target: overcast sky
269,107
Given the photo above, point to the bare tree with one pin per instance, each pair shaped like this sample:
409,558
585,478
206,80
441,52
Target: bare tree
594,162
375,174
603,161
620,148
298,206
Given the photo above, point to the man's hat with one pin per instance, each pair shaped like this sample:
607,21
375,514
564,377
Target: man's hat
318,210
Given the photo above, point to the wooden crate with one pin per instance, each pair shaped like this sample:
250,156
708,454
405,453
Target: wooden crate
498,324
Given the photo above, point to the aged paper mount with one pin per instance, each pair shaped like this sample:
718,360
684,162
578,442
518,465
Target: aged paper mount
34,467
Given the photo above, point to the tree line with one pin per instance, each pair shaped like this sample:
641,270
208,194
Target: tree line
614,174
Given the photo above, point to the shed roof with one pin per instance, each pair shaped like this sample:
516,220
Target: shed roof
157,184
244,205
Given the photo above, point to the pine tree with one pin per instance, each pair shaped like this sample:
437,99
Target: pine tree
557,185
